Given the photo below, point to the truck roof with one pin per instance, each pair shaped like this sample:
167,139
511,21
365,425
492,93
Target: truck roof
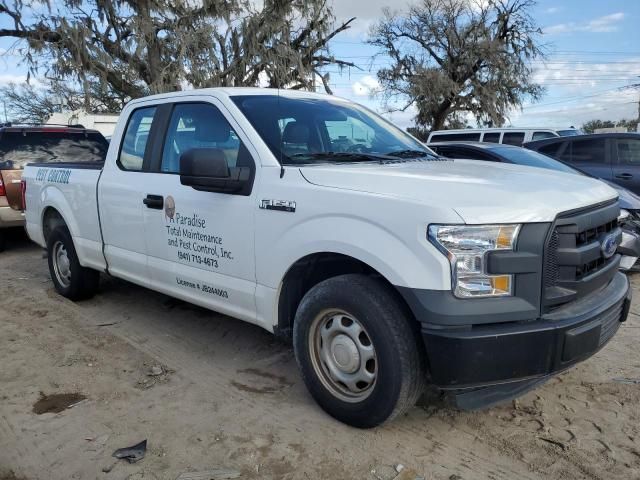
236,91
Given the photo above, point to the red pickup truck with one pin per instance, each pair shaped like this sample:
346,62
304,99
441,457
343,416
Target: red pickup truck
22,144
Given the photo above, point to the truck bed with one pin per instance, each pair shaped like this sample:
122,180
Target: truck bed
78,165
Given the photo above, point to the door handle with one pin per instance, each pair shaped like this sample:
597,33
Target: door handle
624,176
154,201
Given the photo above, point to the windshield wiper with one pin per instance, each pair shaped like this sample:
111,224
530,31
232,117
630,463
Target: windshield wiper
410,154
339,156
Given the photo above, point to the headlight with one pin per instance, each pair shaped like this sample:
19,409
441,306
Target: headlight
466,247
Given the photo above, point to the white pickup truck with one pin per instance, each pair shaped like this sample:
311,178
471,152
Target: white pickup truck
314,218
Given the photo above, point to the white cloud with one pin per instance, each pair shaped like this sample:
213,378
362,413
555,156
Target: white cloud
573,77
611,105
607,23
366,86
6,78
552,10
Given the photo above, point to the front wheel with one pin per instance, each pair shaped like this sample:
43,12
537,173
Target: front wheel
71,279
358,352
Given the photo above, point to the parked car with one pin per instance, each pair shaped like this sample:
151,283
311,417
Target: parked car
509,136
629,201
385,264
20,144
611,156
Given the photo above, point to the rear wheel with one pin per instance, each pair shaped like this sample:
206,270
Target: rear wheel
71,279
359,354
3,241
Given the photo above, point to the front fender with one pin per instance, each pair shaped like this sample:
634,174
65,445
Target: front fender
403,258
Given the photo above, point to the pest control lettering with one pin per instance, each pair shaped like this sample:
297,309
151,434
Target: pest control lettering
193,244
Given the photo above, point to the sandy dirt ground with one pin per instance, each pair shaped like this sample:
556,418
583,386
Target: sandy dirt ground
229,396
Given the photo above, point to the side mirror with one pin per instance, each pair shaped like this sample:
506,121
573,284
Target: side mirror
206,169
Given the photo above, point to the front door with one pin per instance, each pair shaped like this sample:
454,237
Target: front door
201,244
589,155
626,155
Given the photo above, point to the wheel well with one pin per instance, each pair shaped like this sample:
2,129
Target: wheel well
50,220
308,272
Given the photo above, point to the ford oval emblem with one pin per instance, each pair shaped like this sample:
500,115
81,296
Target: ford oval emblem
609,245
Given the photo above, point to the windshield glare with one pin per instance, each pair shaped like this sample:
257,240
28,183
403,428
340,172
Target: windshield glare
572,132
310,130
522,156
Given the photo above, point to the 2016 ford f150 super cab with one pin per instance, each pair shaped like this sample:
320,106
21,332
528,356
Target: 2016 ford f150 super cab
314,218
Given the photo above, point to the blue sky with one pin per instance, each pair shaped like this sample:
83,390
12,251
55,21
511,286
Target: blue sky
593,50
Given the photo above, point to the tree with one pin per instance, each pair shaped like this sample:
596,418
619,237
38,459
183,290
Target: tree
592,125
36,103
133,48
453,58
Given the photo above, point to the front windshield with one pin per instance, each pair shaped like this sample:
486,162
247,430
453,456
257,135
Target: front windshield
311,130
522,156
572,132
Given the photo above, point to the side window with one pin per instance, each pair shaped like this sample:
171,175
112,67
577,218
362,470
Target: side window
201,125
135,139
628,151
513,138
542,135
467,154
552,149
491,137
455,137
586,151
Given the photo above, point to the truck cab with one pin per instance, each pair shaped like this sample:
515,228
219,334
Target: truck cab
312,217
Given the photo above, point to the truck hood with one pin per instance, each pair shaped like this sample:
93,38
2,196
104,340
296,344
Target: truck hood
479,192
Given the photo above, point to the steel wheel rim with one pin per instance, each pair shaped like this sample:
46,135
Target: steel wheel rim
61,264
343,355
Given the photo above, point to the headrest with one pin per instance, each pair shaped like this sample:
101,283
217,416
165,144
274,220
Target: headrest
211,130
295,132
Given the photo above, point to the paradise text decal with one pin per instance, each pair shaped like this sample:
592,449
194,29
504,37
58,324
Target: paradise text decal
192,240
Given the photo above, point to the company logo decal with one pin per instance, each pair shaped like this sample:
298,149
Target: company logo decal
169,207
609,245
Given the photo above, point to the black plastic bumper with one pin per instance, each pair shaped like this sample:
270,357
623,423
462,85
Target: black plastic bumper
524,353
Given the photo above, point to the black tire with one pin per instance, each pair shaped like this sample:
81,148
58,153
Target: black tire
81,282
3,240
399,355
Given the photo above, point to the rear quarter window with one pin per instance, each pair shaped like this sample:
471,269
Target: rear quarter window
18,148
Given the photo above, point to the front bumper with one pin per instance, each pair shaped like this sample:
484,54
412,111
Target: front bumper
10,217
521,353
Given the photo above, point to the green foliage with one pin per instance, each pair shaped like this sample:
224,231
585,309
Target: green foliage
592,125
454,58
135,48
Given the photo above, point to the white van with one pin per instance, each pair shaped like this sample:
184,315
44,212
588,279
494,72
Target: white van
510,136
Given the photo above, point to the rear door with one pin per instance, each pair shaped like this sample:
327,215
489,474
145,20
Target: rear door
626,162
44,145
123,187
590,155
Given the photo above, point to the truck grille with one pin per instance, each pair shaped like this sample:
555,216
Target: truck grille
574,262
609,322
551,268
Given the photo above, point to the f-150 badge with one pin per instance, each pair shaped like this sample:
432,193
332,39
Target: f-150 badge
281,205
